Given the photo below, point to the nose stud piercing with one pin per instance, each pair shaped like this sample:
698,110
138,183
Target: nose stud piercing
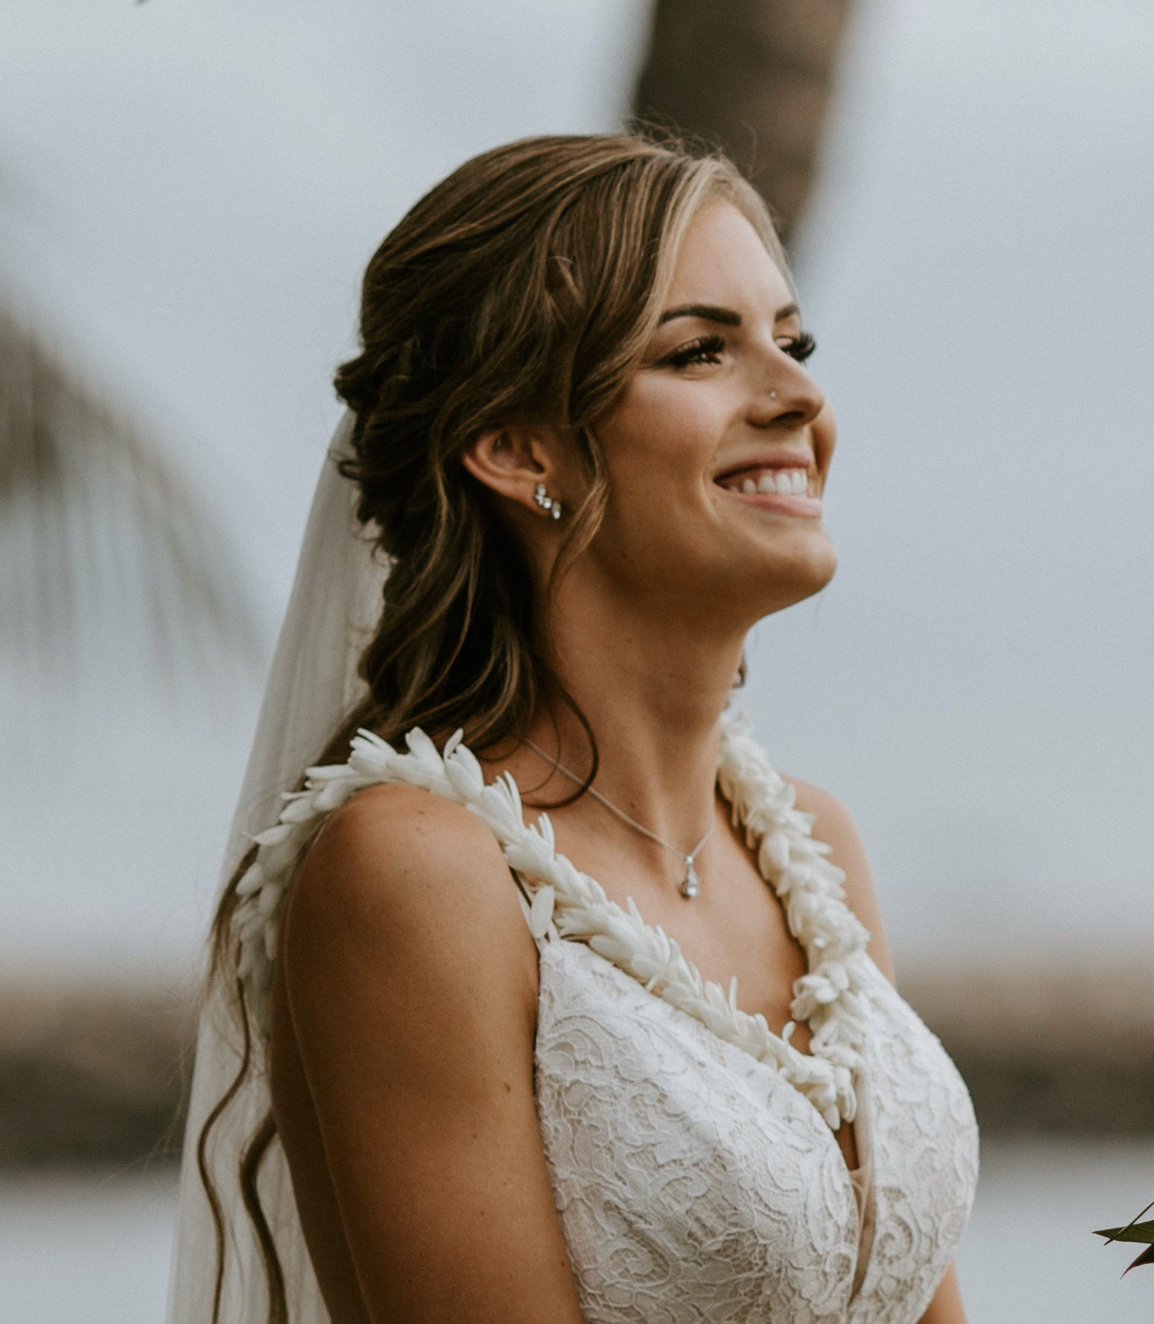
773,395
546,502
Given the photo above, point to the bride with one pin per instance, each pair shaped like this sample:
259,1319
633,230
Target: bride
543,997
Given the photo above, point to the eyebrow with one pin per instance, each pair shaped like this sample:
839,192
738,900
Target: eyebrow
726,316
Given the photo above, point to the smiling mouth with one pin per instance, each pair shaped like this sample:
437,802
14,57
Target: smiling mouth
786,490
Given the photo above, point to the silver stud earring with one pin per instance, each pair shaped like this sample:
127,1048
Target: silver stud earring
546,502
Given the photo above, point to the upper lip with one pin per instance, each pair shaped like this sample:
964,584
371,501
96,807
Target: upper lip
796,459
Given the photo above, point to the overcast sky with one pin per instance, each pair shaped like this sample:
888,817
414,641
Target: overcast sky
192,188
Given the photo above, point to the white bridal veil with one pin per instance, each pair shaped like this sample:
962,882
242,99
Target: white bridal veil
335,600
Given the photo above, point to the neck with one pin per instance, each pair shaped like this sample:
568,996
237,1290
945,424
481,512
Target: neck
652,691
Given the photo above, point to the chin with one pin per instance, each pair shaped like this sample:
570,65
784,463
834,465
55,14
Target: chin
822,574
790,578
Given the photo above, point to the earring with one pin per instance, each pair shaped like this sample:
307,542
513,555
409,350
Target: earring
546,502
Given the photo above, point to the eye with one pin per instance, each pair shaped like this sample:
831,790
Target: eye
703,350
800,347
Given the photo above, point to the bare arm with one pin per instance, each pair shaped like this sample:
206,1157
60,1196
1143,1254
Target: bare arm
836,828
411,983
946,1307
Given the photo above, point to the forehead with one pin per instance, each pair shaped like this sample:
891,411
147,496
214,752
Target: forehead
722,260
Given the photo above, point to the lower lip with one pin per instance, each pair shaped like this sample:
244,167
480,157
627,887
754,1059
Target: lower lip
807,507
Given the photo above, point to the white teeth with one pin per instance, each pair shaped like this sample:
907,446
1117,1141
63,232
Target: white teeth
784,482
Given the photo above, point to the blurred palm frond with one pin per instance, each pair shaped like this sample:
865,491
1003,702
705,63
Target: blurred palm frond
109,565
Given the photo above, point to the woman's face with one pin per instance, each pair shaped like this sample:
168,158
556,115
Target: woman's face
719,448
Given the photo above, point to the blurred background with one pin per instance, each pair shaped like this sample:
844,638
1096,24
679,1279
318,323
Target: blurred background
188,195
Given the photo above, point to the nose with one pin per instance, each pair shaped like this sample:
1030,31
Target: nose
785,395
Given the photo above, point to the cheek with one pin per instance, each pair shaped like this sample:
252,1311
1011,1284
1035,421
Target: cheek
662,437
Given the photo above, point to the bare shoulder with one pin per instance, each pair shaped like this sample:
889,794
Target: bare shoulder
834,825
400,880
409,981
391,844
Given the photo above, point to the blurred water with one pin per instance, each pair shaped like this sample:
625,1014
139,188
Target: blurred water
85,1250
95,1250
1029,1256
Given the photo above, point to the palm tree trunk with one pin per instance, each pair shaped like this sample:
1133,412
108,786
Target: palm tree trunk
752,77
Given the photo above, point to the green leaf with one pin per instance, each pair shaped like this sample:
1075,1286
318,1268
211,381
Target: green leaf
1134,1231
1147,1257
1131,1232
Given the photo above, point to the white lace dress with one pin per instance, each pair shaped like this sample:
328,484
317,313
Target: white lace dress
692,1151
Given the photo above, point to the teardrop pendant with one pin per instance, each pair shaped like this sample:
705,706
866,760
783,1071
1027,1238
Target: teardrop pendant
690,887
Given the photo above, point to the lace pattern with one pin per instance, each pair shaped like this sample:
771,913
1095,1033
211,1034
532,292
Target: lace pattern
693,1183
691,1150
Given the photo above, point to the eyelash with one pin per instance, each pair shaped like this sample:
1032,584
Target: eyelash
801,346
704,350
707,348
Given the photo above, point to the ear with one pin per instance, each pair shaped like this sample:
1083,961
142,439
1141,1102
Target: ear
511,462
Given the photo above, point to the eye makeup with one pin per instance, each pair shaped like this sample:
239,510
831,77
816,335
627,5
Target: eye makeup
707,349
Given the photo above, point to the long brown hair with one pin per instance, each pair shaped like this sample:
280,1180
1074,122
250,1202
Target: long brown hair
521,289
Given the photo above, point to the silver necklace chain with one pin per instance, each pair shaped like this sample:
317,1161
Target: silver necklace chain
691,885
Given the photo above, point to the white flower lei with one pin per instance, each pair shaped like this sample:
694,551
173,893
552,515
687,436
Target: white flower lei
829,997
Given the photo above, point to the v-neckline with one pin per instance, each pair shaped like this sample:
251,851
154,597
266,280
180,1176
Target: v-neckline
860,1126
828,997
748,770
631,911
